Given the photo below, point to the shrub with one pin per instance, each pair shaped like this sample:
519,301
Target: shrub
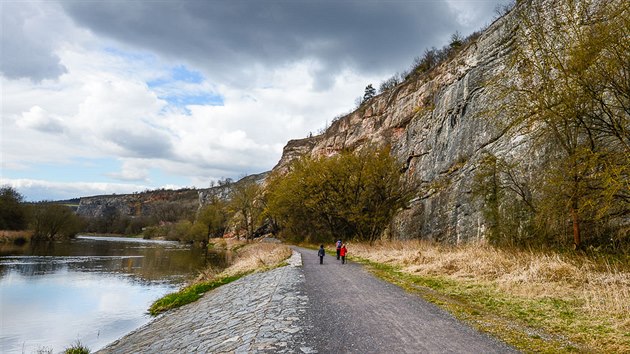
77,348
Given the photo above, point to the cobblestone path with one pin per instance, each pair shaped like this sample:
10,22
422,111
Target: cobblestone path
259,313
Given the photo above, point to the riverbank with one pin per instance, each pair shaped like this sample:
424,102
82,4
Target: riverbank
243,258
536,302
257,313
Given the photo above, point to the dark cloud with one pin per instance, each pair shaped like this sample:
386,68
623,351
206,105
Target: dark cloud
227,38
136,144
25,52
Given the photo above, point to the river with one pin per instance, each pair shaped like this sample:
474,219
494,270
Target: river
91,289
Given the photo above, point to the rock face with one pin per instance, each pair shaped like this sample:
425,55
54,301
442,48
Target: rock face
142,204
137,204
435,125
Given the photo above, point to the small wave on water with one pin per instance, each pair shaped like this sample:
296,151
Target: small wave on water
26,260
127,239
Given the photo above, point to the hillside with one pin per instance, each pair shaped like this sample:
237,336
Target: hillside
434,125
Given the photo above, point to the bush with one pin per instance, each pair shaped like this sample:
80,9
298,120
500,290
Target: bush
12,211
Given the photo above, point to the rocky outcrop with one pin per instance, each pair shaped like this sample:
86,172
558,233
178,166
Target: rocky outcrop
137,204
144,203
436,127
222,191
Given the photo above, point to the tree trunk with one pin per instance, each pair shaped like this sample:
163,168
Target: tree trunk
577,240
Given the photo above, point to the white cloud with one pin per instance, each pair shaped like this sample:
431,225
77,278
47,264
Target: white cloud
67,190
471,14
37,118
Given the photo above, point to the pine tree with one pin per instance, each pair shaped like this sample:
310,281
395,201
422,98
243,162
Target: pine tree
370,92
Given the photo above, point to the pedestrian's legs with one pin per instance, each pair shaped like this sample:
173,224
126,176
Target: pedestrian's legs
343,259
321,260
338,253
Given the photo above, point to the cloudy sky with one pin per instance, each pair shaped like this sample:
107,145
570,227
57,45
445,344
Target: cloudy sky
102,97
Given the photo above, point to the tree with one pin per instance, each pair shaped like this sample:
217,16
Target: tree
370,92
213,216
49,220
390,83
350,195
508,208
456,40
245,200
12,211
568,82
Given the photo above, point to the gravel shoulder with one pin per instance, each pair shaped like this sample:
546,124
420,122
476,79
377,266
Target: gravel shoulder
351,311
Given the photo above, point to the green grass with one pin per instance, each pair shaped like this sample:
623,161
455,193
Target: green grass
542,325
189,294
77,348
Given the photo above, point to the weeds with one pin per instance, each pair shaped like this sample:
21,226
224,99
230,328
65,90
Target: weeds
77,348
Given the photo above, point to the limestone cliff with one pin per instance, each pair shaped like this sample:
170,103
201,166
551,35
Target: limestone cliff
435,126
137,204
144,203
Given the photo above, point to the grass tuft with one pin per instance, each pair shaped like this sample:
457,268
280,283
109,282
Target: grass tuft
77,348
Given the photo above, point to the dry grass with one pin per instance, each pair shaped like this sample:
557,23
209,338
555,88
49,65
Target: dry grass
592,297
257,256
247,257
15,236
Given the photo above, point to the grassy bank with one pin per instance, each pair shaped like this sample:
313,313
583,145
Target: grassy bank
537,302
246,258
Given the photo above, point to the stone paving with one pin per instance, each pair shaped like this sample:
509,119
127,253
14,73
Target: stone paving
260,313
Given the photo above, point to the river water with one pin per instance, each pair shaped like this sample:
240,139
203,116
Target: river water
92,289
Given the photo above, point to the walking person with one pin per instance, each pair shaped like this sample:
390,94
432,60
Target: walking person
343,251
338,248
321,253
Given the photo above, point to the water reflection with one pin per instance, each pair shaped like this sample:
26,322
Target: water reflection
93,289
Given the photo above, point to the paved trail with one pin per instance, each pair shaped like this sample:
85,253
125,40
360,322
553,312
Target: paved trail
313,308
351,311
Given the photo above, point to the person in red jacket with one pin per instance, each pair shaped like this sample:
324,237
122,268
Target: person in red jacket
342,253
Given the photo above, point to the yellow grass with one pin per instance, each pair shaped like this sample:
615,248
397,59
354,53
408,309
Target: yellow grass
247,257
11,236
592,297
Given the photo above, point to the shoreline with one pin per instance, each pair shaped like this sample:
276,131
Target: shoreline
259,312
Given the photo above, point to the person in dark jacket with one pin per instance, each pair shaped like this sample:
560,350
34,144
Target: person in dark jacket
343,251
321,253
338,244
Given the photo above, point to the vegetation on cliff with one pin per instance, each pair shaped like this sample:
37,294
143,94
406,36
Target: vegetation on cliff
567,85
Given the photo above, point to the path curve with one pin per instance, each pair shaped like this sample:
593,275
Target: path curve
352,311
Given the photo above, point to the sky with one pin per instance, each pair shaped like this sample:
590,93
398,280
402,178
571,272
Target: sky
114,97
